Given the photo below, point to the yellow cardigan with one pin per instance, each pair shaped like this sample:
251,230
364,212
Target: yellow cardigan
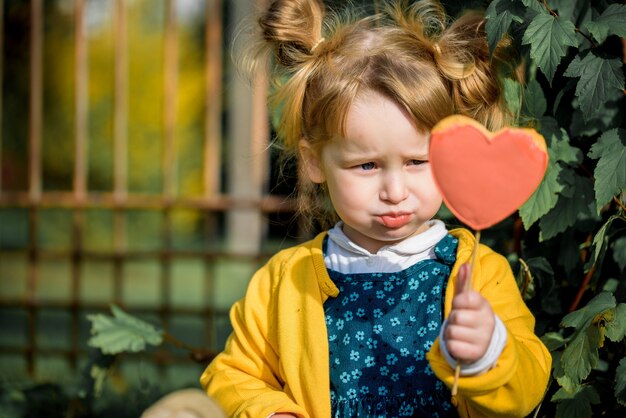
276,359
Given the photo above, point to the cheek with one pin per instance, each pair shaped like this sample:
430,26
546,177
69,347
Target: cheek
436,194
347,193
428,190
427,184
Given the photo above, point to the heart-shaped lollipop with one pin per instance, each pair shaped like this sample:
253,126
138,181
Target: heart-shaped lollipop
484,177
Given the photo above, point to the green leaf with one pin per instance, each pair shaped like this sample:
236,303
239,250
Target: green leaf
535,6
99,375
576,404
601,80
607,117
553,340
616,328
499,15
576,67
580,356
569,209
544,198
549,38
543,275
567,177
600,240
535,104
612,21
583,317
610,172
122,332
563,151
549,127
525,282
512,95
619,252
570,9
620,382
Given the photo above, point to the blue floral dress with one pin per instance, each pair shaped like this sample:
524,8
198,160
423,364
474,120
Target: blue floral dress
380,328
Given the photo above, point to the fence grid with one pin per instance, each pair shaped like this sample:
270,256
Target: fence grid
247,193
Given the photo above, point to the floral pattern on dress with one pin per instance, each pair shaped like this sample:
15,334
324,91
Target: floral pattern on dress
380,327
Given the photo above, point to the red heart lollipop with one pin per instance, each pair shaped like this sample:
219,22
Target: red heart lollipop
485,177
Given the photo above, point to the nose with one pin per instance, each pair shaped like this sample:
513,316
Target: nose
394,187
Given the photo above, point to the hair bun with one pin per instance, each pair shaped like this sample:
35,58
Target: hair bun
293,29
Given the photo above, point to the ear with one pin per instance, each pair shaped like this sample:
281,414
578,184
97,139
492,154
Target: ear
311,162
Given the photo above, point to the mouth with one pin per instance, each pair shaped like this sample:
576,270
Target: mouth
395,220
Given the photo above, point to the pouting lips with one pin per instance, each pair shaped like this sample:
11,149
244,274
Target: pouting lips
395,220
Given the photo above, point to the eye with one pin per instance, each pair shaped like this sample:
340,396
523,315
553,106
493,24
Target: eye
417,162
368,166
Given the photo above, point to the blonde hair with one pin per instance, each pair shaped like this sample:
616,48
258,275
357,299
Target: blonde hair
410,53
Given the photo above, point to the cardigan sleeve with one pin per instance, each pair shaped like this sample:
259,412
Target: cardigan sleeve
245,378
517,382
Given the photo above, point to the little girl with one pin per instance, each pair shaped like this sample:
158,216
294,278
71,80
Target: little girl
351,323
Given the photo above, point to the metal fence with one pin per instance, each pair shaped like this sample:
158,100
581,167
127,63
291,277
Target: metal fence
50,289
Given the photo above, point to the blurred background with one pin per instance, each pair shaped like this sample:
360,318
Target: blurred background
135,170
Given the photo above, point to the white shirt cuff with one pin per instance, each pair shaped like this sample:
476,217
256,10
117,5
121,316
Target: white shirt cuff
488,360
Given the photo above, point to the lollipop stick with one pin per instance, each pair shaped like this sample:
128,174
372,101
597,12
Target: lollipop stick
467,286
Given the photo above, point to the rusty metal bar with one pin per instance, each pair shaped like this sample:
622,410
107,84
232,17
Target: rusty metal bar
80,172
120,104
267,203
45,254
212,143
91,306
31,291
1,83
36,93
120,151
213,98
170,87
81,103
34,159
160,357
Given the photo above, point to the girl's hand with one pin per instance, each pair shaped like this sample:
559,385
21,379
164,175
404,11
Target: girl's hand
470,323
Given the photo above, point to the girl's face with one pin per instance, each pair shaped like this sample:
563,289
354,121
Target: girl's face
378,176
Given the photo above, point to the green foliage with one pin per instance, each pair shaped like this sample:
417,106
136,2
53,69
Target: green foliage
96,395
549,38
620,382
122,332
600,80
500,14
619,252
545,197
576,404
610,22
610,172
573,256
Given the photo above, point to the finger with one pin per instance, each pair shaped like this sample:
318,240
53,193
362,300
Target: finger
463,351
461,280
469,300
471,318
460,333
